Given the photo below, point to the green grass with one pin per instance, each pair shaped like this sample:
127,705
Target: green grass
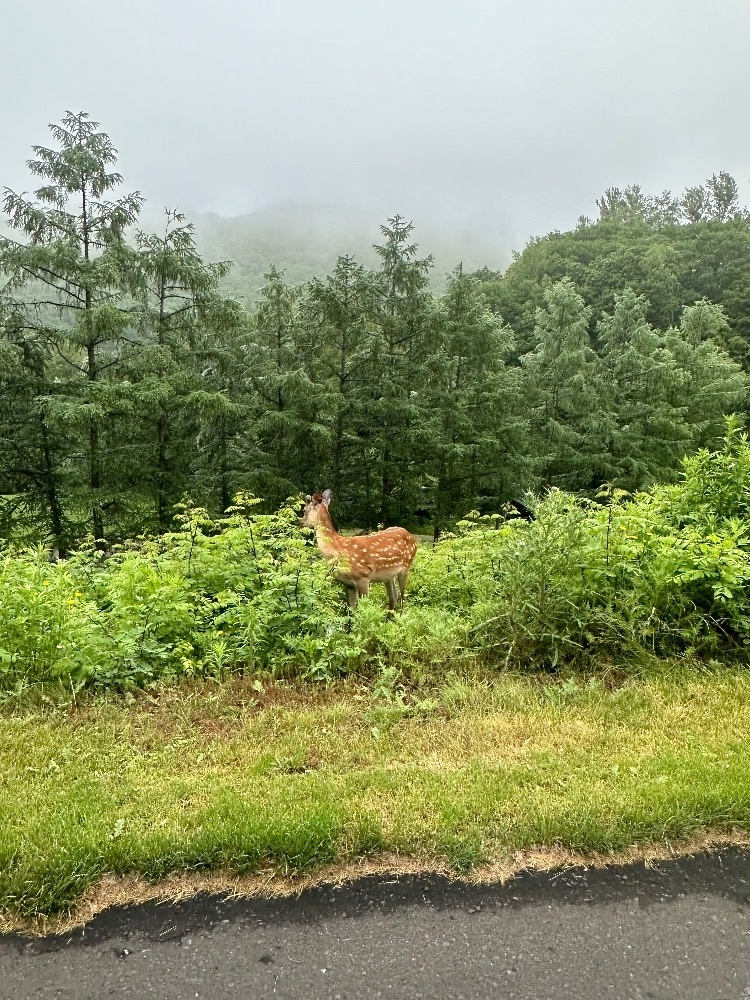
210,776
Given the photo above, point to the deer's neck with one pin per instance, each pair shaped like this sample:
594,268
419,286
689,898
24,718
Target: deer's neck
329,540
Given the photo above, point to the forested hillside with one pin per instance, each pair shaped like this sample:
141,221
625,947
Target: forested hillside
129,380
301,240
306,240
673,251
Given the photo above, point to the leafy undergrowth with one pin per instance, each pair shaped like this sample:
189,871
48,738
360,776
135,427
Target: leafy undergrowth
656,575
242,776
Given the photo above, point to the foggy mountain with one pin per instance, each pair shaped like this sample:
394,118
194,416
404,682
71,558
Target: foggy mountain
306,239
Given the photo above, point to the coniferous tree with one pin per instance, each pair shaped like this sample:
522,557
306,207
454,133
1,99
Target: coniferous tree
565,394
287,437
405,316
711,384
474,424
72,281
220,411
648,433
184,321
340,334
32,476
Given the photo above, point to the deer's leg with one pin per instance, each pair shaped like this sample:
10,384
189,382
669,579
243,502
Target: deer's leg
402,578
390,589
351,596
363,587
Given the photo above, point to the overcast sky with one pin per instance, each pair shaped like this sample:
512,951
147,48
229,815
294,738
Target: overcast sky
508,116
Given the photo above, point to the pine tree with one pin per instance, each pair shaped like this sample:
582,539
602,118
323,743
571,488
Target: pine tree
565,394
287,438
405,316
711,384
340,334
648,430
222,412
476,432
184,321
31,473
71,282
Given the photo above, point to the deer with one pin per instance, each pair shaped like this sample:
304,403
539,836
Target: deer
382,557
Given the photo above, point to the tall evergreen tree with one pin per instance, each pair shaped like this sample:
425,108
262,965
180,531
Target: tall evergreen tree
476,431
72,281
405,316
287,437
184,320
220,411
32,477
711,384
340,337
647,429
565,394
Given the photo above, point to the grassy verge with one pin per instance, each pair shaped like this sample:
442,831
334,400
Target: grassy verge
291,778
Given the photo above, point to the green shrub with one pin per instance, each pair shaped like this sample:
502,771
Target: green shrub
246,592
50,630
662,573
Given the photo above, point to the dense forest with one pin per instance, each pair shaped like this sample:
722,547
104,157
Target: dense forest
129,380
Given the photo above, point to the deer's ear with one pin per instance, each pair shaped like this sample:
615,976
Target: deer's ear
327,496
308,498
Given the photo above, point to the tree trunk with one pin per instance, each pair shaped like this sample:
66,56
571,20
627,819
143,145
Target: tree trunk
95,472
439,503
338,456
53,498
95,478
226,500
387,488
162,472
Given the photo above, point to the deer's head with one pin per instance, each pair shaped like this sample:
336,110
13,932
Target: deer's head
315,506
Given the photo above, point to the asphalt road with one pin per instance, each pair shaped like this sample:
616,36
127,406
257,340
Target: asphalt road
680,931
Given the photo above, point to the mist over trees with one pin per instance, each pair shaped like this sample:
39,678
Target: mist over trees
130,380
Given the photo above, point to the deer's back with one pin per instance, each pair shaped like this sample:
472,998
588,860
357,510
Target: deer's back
380,556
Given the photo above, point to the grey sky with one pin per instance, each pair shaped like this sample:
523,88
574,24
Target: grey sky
507,117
